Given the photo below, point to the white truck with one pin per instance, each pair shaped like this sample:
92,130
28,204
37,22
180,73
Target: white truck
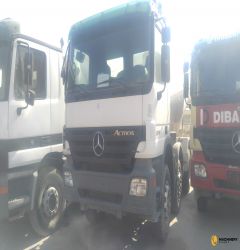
32,118
121,156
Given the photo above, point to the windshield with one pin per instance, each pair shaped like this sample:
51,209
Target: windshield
118,59
215,72
4,56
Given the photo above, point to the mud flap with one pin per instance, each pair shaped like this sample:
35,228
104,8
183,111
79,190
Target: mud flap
3,181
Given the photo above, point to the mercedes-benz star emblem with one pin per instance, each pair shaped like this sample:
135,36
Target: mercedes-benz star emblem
236,142
98,144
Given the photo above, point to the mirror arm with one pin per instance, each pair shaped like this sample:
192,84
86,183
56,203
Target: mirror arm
187,103
20,109
159,94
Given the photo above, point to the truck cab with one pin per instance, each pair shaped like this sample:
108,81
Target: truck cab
32,118
215,111
120,155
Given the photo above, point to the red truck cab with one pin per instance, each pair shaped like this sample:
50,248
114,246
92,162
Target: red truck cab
215,113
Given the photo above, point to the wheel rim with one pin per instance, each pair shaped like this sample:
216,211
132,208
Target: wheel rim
50,202
179,183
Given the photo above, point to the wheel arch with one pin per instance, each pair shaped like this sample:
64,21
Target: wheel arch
53,159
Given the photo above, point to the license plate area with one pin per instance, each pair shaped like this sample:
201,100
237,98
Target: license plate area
233,177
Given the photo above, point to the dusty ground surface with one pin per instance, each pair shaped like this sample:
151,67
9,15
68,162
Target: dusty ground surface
189,231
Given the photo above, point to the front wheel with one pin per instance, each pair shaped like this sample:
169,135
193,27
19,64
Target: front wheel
49,203
161,228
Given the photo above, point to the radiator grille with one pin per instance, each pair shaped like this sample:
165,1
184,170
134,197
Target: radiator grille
217,145
118,154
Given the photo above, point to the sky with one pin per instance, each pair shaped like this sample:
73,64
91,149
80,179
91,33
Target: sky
50,20
190,20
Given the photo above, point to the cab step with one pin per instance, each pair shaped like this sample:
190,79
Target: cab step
18,202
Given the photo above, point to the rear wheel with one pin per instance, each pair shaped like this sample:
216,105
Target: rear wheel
177,196
161,228
49,203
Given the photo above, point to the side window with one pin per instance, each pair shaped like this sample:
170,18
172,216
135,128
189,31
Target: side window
141,58
80,68
116,66
157,56
37,75
141,67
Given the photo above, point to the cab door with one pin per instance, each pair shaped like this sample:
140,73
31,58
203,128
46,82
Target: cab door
29,125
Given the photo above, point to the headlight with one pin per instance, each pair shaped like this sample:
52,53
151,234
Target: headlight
66,148
141,147
200,170
138,187
68,180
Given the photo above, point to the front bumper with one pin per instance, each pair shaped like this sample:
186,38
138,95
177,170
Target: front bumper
219,181
109,192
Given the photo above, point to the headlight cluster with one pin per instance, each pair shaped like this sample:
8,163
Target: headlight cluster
200,170
68,180
138,187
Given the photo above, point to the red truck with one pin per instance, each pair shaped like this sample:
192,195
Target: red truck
215,115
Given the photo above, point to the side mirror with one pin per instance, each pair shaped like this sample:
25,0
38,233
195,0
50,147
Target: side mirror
166,35
65,66
186,86
28,68
30,97
28,77
165,63
186,80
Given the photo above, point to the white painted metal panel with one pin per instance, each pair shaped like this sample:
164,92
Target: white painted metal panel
3,120
57,93
120,111
30,156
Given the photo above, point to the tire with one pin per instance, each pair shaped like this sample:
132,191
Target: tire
186,184
202,203
161,228
49,204
94,217
177,183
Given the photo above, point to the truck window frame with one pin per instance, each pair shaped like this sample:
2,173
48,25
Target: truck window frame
105,93
34,53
